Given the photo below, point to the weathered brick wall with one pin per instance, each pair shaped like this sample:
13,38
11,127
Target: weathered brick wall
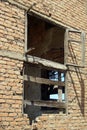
12,37
11,82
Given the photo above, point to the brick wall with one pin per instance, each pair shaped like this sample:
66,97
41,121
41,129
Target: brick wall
12,38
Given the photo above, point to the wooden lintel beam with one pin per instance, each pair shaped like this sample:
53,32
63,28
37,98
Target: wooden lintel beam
54,104
44,62
43,81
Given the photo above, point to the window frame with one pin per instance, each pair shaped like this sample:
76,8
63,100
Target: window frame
46,63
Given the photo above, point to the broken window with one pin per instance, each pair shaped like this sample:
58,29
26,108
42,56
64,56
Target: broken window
44,70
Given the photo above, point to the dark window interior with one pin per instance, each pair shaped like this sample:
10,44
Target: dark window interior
45,40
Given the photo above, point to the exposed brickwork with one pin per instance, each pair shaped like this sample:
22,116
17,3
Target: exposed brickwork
12,37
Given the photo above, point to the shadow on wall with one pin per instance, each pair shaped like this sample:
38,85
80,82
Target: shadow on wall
80,85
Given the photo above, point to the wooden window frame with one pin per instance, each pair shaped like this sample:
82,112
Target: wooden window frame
81,42
48,63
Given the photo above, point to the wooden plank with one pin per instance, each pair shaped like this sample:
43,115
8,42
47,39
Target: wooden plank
67,39
66,49
44,62
54,104
26,32
43,81
66,91
59,88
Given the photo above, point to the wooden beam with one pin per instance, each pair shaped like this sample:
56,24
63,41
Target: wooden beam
26,31
82,41
54,104
66,50
44,62
43,81
59,88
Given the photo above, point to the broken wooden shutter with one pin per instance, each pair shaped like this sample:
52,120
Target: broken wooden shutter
74,47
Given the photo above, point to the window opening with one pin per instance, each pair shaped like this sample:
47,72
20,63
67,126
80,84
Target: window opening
48,49
45,40
44,73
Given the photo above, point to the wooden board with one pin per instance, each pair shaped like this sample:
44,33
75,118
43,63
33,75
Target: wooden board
54,104
44,62
43,80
